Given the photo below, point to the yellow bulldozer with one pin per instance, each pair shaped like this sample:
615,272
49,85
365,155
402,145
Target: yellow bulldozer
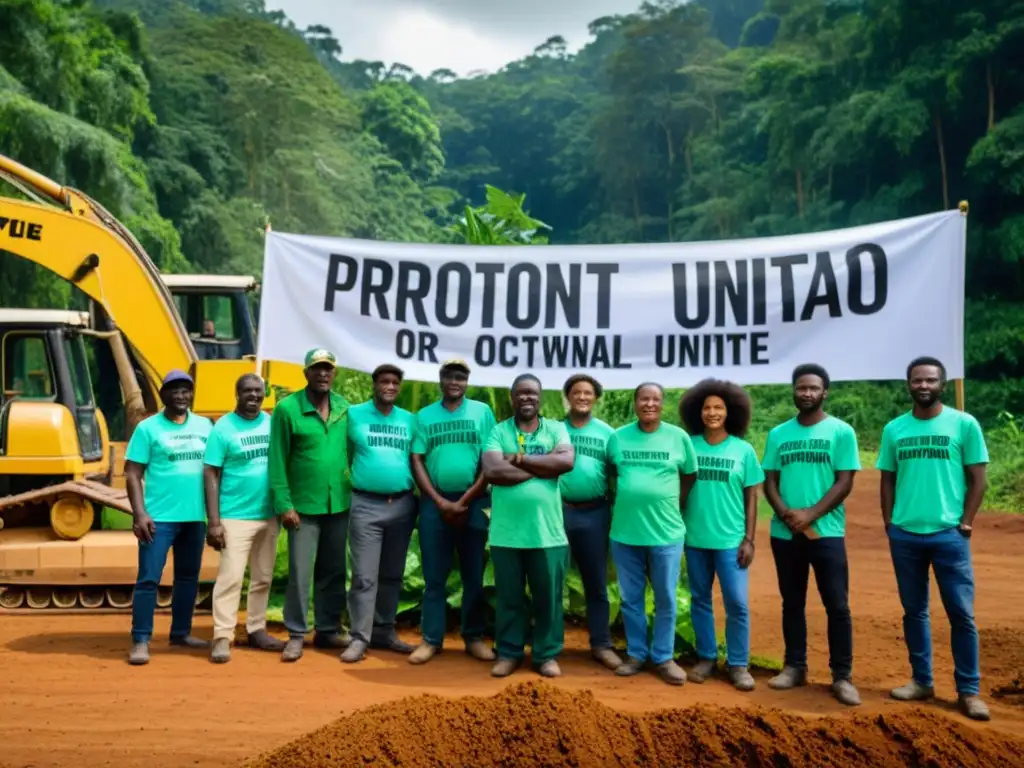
76,383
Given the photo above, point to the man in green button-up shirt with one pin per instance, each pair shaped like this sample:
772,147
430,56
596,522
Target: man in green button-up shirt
307,461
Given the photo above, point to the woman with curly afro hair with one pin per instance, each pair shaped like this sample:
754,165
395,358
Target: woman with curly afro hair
721,516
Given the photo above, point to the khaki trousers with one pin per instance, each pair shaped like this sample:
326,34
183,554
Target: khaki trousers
252,543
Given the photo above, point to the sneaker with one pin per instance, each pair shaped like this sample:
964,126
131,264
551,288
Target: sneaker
629,667
478,649
974,708
789,677
504,667
702,670
550,668
264,641
741,678
292,649
355,652
221,651
606,656
139,654
423,654
912,691
846,693
670,672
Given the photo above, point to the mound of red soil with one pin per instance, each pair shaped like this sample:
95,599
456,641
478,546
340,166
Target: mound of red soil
538,724
1011,692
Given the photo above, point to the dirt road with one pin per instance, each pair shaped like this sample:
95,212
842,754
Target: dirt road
68,697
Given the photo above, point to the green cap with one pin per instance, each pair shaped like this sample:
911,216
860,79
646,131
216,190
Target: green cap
317,356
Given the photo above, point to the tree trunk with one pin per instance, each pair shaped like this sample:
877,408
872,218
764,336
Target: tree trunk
937,121
991,95
799,193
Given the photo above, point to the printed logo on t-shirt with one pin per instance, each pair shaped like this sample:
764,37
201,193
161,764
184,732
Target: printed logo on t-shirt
185,455
388,436
642,458
452,432
594,447
923,447
814,451
714,468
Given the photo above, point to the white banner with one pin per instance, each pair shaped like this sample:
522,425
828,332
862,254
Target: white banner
862,302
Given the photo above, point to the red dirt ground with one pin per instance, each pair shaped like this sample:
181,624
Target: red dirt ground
68,697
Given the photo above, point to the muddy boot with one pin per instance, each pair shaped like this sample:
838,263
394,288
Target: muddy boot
355,652
606,656
188,641
139,654
221,651
671,673
264,641
702,670
974,708
789,677
741,679
478,649
629,667
504,667
550,668
292,649
912,691
423,654
846,693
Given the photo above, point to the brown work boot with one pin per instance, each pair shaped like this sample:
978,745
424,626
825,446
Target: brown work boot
478,649
292,649
550,668
741,678
264,641
702,670
423,654
139,654
504,667
974,708
607,657
221,651
629,667
789,677
846,693
670,672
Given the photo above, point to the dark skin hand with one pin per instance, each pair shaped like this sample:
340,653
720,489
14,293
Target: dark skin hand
746,554
799,520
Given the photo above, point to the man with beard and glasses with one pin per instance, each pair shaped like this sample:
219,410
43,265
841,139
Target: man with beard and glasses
809,464
523,459
586,509
307,464
164,477
933,461
383,514
449,437
241,522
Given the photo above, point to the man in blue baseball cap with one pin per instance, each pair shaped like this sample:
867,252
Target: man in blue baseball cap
164,476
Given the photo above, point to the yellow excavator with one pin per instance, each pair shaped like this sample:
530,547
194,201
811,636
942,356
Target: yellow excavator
76,383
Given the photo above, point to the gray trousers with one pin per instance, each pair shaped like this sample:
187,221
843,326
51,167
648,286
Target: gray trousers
316,553
379,540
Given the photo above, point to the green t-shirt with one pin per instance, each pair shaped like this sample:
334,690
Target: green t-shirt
589,477
928,457
648,465
715,514
173,455
451,442
527,515
380,448
807,459
239,447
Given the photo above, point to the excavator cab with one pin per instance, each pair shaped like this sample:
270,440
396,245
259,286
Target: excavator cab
218,312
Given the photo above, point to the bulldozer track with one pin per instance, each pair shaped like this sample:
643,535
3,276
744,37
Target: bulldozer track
116,498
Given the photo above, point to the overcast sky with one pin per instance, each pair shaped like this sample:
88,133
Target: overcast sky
462,35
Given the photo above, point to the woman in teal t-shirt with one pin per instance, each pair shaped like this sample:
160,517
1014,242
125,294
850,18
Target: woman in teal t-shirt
654,466
720,516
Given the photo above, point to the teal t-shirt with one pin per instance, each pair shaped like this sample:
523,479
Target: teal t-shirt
238,446
807,459
928,457
589,477
527,515
451,442
648,465
173,455
715,514
380,448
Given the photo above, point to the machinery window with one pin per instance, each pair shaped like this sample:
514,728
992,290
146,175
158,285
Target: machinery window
210,316
27,371
74,349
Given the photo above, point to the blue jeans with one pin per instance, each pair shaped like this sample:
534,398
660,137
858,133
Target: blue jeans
438,542
587,531
187,541
633,565
701,567
949,554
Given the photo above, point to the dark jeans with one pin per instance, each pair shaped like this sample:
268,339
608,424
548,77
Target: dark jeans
316,553
543,570
949,554
587,530
187,540
827,556
438,542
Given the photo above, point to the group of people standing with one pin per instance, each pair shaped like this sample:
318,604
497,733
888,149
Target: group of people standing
341,478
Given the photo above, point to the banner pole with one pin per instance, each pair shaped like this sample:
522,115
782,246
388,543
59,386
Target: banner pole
958,384
259,361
